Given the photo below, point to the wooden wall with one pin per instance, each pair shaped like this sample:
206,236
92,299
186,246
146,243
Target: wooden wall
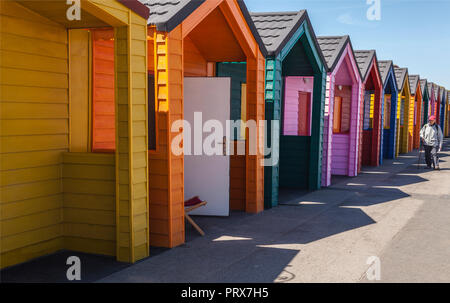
274,84
166,171
193,62
132,140
34,133
43,200
327,131
80,90
418,109
103,109
341,144
89,207
237,73
294,85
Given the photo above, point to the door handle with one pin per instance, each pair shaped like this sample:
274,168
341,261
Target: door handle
224,146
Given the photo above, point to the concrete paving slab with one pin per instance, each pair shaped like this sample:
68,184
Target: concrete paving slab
396,212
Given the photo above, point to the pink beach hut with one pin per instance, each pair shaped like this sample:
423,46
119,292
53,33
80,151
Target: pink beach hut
342,109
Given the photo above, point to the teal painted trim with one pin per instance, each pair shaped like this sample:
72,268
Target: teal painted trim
315,170
299,34
320,64
295,38
272,112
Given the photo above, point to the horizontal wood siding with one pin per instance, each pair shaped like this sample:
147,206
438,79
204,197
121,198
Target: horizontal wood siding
237,73
272,113
166,171
89,203
340,156
34,128
194,63
131,148
294,85
103,108
294,161
328,131
237,178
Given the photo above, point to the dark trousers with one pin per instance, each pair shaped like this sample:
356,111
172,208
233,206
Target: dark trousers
431,156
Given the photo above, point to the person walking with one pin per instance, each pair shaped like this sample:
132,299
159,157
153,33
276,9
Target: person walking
432,138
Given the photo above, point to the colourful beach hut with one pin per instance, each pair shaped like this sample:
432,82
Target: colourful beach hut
443,101
295,97
405,112
437,103
425,101
371,111
390,96
417,99
55,192
447,124
342,109
190,45
433,97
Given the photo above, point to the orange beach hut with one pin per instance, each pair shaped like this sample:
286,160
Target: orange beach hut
187,40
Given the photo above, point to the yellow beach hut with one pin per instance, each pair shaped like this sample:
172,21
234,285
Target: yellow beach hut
55,192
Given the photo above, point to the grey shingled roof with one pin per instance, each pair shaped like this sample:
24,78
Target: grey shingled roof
384,67
400,75
275,27
436,91
167,14
430,88
364,58
423,85
442,92
413,82
332,48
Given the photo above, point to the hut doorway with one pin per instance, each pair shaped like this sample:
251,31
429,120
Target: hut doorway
295,139
207,164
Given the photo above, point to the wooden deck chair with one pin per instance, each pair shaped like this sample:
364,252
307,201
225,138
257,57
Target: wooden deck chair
191,205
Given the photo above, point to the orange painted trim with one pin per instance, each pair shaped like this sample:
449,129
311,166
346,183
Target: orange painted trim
151,34
234,17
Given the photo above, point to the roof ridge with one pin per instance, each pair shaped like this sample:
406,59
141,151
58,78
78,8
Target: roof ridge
276,13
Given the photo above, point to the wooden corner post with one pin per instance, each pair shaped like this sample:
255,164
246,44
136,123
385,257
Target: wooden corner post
131,141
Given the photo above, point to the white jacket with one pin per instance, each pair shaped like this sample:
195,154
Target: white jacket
432,135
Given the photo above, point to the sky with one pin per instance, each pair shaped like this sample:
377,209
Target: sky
413,33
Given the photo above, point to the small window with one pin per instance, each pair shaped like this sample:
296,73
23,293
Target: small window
372,109
387,111
304,113
342,99
151,113
415,111
103,92
337,114
243,109
297,113
368,113
402,112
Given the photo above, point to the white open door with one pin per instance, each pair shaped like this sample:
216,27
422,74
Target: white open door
207,176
